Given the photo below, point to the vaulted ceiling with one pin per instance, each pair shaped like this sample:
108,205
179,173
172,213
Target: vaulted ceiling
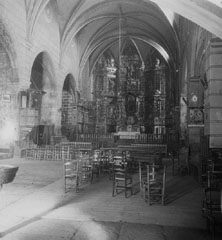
102,25
98,25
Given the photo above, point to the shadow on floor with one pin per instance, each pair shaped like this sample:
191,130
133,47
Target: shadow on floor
179,186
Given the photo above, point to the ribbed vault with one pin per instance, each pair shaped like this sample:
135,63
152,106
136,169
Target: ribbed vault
94,24
98,28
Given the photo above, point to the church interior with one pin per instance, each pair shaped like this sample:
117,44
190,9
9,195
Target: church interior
136,78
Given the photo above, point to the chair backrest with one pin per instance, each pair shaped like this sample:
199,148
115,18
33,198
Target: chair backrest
119,162
151,172
70,167
142,175
110,154
65,153
127,155
119,171
117,159
156,173
96,155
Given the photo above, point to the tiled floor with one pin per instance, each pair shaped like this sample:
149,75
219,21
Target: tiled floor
94,214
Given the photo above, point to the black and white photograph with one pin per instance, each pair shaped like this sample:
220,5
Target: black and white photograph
111,119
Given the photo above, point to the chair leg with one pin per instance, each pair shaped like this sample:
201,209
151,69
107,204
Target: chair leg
148,195
77,184
92,176
114,185
140,177
162,197
64,185
131,188
144,193
125,186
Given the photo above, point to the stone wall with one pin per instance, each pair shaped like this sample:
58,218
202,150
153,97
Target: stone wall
19,47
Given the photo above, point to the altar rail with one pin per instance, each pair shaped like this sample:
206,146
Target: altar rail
154,138
103,140
98,140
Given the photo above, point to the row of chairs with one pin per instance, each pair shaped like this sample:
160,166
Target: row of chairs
43,153
83,168
108,157
78,170
82,165
86,165
76,173
54,152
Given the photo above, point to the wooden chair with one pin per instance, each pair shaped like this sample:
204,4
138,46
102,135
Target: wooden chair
206,166
39,153
71,175
85,167
122,179
211,210
104,161
214,179
107,162
57,153
116,160
143,178
127,156
70,171
85,172
155,185
65,153
49,153
96,164
30,153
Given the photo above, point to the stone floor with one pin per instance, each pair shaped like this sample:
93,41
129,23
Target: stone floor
35,207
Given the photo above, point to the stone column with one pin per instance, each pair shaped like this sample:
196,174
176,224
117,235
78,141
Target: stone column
213,94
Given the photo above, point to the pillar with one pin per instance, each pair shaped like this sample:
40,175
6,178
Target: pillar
213,94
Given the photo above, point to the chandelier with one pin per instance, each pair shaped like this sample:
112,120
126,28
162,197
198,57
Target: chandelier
120,40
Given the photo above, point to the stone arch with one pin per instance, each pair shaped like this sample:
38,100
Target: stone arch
70,86
43,88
